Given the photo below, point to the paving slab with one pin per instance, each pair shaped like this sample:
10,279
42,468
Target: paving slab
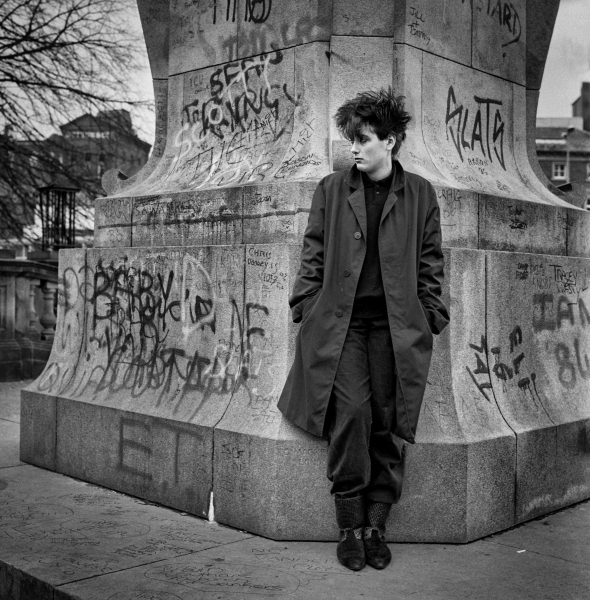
10,399
259,568
58,530
562,535
9,434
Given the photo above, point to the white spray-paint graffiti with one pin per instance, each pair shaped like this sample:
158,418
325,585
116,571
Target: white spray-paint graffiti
238,127
166,325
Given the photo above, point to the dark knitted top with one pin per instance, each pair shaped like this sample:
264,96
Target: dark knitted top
370,296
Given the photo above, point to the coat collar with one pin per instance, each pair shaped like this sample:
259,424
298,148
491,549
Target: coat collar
357,198
355,180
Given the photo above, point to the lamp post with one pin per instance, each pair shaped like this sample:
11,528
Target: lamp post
57,205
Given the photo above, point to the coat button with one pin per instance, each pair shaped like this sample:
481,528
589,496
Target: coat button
346,273
338,313
357,235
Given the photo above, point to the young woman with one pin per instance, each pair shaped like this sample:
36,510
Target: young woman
367,296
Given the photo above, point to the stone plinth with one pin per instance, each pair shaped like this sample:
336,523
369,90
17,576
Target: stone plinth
174,336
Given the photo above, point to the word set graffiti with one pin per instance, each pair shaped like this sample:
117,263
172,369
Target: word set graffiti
450,203
135,448
238,127
238,90
504,13
163,329
551,315
256,11
554,278
236,461
484,137
504,369
415,26
515,216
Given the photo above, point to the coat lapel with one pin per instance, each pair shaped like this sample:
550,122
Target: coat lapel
357,202
357,199
389,204
399,181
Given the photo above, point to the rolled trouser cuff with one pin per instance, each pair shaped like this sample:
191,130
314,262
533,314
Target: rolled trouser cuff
350,512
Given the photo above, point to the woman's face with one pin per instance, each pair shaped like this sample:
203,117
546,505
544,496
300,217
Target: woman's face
372,155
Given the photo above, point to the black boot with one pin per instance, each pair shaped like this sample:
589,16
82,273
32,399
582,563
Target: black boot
377,553
350,516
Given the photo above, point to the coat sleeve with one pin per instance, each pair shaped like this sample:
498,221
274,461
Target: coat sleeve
310,277
431,268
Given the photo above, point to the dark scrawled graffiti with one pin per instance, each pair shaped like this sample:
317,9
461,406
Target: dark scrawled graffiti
238,126
504,14
241,97
506,366
484,131
255,11
156,328
552,314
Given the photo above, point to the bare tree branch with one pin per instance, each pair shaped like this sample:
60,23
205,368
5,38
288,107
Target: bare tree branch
59,59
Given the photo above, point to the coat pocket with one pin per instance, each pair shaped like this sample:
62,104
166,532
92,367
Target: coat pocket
406,418
309,304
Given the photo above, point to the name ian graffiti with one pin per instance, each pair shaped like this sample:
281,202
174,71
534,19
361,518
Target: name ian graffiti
483,138
549,317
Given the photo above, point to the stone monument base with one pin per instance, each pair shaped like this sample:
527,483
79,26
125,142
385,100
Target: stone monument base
166,386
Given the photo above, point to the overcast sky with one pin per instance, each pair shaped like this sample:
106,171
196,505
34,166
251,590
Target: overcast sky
568,64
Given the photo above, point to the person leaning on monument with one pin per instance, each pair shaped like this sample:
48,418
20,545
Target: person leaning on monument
368,297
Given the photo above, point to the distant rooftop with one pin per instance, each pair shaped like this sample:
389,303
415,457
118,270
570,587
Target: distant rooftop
561,122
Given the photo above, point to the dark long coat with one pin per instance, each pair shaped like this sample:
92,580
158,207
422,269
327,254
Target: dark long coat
334,248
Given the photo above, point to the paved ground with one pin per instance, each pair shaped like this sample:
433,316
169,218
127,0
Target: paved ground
63,539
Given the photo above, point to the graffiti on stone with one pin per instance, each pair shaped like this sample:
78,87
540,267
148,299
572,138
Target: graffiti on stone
242,122
504,14
169,324
484,129
505,365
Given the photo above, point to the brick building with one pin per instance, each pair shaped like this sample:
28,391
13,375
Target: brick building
85,148
563,144
91,145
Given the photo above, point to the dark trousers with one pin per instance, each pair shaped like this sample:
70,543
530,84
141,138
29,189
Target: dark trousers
364,455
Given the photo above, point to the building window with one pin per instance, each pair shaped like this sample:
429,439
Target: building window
558,171
87,157
587,171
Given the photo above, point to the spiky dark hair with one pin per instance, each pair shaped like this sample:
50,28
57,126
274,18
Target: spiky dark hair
382,110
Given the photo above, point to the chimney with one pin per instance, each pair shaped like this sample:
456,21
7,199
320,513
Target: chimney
581,107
